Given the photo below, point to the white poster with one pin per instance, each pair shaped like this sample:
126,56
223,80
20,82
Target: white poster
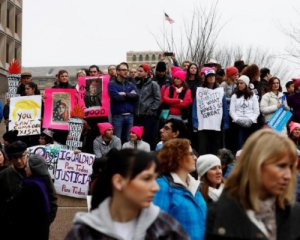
209,107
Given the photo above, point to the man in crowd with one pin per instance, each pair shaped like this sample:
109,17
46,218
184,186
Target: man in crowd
123,96
94,71
106,141
26,77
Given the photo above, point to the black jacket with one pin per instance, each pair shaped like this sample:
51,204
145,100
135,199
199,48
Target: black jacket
226,219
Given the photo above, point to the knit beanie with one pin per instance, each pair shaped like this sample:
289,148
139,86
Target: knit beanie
103,127
180,75
11,136
161,66
206,162
296,82
245,79
15,149
293,125
137,130
146,67
38,165
230,71
175,69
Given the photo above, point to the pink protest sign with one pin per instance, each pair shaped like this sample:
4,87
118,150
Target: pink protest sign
59,103
93,95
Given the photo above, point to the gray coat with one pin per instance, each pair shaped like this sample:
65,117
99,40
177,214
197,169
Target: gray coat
149,101
100,147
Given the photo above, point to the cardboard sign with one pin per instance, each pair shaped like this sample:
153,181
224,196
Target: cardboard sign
93,94
25,115
73,173
279,119
13,83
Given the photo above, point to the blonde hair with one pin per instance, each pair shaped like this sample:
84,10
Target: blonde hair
263,147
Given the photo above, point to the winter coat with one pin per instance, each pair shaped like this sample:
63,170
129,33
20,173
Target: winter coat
241,108
269,103
100,147
174,102
227,219
294,103
149,100
141,145
122,104
180,203
152,224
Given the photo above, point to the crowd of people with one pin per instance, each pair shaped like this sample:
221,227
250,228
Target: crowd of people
185,153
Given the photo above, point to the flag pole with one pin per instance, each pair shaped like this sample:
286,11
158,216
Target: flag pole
164,32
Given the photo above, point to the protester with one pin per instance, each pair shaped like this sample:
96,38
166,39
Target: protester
295,133
173,128
94,71
122,203
10,137
161,76
27,199
227,161
263,85
46,137
211,179
26,77
123,99
294,101
289,88
148,105
273,99
106,141
259,195
178,194
244,110
210,115
136,142
229,85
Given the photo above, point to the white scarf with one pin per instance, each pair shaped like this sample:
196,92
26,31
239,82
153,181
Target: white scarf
215,193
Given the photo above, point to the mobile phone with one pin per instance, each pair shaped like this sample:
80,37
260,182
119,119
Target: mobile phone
168,54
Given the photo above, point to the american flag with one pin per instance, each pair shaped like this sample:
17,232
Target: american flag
170,20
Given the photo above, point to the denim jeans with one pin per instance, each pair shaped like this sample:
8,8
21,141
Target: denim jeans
122,124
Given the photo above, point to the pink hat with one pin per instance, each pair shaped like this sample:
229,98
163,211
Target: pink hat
180,75
137,130
230,71
175,69
104,126
202,71
294,125
296,82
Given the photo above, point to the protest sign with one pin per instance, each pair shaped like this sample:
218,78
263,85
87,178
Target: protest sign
73,173
49,153
279,119
93,94
25,115
13,78
58,105
209,108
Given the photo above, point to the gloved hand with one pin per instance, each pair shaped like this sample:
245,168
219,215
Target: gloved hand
244,122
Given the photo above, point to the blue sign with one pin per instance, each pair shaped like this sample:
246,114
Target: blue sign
279,119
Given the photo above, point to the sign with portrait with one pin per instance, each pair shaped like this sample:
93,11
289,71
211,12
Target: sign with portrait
25,115
93,95
58,105
73,172
209,108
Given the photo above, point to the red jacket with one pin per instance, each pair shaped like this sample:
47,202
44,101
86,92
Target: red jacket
175,103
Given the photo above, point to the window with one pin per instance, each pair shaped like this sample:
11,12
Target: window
7,18
141,58
16,23
134,58
153,57
147,57
7,52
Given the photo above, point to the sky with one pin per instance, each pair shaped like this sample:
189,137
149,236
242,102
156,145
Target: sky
85,32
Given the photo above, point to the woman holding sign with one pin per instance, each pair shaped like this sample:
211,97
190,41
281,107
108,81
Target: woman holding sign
273,100
122,202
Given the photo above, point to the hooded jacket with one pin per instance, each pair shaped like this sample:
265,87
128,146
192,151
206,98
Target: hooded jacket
151,224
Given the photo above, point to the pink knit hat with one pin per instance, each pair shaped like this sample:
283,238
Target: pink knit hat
104,126
230,71
137,130
294,125
180,75
202,71
175,69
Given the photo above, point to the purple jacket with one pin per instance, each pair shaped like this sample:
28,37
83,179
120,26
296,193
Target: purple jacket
294,103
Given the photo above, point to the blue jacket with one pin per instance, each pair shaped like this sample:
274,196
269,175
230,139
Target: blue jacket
122,104
188,210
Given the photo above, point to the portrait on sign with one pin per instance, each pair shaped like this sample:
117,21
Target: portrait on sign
58,106
93,95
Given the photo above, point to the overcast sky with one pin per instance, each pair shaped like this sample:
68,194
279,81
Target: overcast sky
84,32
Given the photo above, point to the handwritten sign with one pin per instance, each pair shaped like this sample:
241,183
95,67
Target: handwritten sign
75,130
13,83
25,115
73,173
49,153
209,108
93,94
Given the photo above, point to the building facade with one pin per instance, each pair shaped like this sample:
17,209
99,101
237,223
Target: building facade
10,37
136,58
